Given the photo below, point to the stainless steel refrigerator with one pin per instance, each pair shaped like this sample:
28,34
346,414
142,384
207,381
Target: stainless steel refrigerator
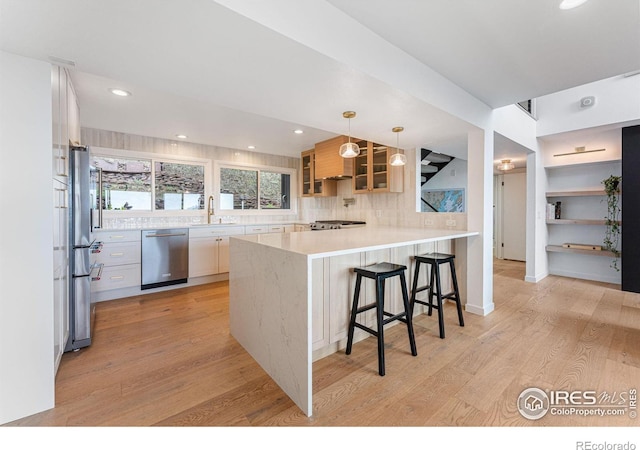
85,216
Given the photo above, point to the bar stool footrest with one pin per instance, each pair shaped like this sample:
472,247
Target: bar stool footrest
366,328
393,317
365,308
422,288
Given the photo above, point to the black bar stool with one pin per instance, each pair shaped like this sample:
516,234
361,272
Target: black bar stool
434,260
380,272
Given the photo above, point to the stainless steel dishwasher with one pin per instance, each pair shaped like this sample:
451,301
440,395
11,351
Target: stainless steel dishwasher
165,257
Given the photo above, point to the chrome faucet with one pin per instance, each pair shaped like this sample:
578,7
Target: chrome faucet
210,209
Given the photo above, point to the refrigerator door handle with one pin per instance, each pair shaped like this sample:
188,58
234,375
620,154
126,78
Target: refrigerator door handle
100,267
99,197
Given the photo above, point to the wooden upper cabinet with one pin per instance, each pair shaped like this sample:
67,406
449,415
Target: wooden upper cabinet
312,186
329,163
307,173
372,171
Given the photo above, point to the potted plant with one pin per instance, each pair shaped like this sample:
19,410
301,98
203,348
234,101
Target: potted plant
612,233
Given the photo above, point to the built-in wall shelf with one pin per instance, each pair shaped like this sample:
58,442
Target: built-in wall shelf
580,193
561,249
576,222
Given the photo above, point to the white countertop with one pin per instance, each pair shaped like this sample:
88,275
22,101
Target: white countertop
320,244
200,225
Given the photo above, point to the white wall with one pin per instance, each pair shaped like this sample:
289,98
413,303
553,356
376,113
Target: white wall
610,140
453,175
617,102
26,264
515,124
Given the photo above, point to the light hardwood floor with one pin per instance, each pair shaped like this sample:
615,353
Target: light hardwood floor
167,359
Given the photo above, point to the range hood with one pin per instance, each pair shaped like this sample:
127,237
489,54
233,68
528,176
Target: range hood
329,165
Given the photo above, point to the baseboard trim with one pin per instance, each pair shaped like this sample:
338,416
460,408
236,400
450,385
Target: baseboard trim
536,278
585,276
483,311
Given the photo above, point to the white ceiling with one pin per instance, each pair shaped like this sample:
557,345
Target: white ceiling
222,78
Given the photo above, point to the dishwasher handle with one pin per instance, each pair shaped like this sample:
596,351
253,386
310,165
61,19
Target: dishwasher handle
165,235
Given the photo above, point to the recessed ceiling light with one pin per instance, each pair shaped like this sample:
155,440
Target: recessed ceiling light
181,136
570,4
251,147
120,92
298,131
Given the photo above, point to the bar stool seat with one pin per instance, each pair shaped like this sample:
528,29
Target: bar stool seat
380,272
434,261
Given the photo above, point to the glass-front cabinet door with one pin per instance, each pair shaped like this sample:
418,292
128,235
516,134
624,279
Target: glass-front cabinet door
307,173
361,169
379,167
318,184
371,168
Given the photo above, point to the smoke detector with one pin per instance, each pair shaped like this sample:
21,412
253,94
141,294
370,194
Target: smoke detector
586,102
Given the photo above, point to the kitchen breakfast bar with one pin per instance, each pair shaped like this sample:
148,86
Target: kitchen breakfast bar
290,294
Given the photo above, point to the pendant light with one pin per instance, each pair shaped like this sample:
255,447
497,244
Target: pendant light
398,159
505,164
349,149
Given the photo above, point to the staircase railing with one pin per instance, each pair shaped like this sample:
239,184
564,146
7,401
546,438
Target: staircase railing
428,204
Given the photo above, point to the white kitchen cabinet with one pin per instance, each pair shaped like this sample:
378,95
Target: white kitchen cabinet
301,227
281,228
60,269
119,255
209,249
275,228
203,256
256,229
117,236
73,115
117,277
60,116
65,117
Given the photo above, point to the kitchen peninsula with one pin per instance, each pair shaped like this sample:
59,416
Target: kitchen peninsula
290,294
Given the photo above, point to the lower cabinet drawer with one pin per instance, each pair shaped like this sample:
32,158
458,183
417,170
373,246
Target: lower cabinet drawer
118,253
116,277
116,236
256,229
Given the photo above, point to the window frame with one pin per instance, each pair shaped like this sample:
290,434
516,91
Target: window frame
293,189
153,158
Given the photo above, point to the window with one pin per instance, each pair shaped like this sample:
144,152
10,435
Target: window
529,106
238,188
178,186
274,190
126,183
147,184
255,188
